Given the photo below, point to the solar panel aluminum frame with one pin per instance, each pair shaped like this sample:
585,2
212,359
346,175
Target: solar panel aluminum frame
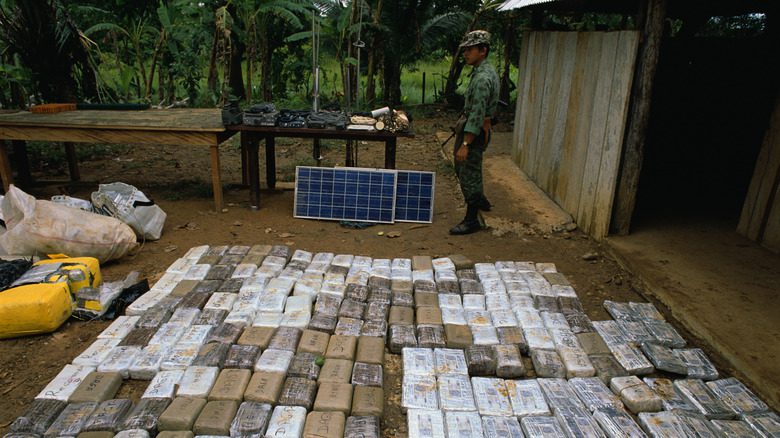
367,208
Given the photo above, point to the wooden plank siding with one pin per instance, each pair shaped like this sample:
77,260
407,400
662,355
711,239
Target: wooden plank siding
570,118
760,218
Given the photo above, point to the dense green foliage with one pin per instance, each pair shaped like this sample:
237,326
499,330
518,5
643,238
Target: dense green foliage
201,53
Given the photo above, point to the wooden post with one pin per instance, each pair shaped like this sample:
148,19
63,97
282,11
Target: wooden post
5,168
22,163
73,161
216,179
654,13
423,89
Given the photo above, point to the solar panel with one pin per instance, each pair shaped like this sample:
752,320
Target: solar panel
355,194
414,196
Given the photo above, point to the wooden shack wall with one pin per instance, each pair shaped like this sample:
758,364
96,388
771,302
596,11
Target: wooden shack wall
571,113
760,218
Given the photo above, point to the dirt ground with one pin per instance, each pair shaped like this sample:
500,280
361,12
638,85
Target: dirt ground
177,178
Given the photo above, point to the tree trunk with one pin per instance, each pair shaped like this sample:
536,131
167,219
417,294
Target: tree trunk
392,80
638,115
236,79
212,78
372,57
155,56
509,44
266,68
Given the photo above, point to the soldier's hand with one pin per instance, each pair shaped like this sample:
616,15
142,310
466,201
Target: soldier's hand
462,153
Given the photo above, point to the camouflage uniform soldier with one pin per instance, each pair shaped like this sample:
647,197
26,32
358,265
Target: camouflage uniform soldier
473,128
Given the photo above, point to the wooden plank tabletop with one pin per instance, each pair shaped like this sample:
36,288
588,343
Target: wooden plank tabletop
181,119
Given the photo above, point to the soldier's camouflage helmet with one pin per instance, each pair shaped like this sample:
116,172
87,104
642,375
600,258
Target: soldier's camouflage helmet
475,37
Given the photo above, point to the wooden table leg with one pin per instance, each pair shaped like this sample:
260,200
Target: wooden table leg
73,161
22,163
253,164
348,161
246,178
216,179
270,161
390,146
316,151
5,168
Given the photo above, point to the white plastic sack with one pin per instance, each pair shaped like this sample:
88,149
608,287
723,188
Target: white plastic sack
131,206
38,227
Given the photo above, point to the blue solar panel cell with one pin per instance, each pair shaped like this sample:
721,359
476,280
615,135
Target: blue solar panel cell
345,194
414,196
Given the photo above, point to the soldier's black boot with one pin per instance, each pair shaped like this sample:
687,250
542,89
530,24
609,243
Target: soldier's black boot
484,204
470,223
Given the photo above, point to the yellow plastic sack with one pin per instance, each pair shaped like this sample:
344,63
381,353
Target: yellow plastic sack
34,308
79,272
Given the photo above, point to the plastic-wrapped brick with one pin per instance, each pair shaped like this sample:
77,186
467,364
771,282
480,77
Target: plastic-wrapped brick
419,392
376,311
473,302
479,318
212,355
737,396
576,362
481,360
41,414
455,393
541,427
178,357
304,365
145,414
108,415
375,328
367,374
559,394
379,295
148,362
401,335
569,304
322,322
610,332
419,361
348,326
352,308
96,353
497,301
579,322
664,358
645,311
512,335
463,425
509,363
663,333
277,361
424,284
212,317
197,381
225,333
242,356
448,286
733,428
504,317
607,367
527,398
119,328
119,360
696,392
484,335
68,423
698,364
594,393
619,310
491,396
665,390
639,397
554,320
424,423
362,427
766,424
287,421
453,315
431,336
528,318
546,303
564,338
251,419
698,424
635,331
631,358
286,338
163,385
577,422
356,292
469,287
501,427
195,335
268,319
450,301
449,361
547,363
298,391
297,320
538,339
616,423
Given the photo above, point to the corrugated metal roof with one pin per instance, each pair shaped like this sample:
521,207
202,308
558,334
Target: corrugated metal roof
517,4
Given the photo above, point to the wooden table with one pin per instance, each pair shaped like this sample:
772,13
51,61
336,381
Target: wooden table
251,135
180,127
